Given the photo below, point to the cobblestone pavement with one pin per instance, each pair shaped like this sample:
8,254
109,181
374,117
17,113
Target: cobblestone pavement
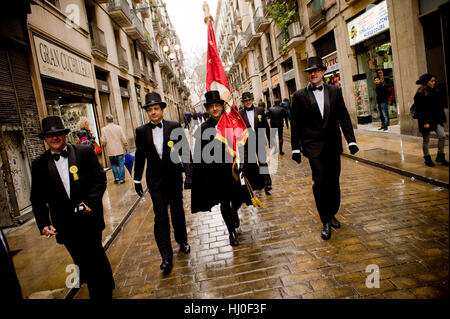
395,223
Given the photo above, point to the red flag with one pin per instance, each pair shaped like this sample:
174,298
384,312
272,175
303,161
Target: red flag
231,129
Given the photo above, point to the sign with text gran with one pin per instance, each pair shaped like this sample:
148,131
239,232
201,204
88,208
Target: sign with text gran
368,24
61,64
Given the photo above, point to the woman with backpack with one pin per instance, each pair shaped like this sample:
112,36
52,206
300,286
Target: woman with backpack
431,117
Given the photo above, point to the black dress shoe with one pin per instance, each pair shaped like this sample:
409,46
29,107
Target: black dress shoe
236,220
335,223
267,189
185,248
281,153
233,239
326,231
166,265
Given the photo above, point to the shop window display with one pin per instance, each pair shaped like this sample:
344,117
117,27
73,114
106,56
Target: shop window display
333,78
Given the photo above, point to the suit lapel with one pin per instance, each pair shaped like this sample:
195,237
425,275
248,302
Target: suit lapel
72,158
326,104
54,174
255,119
166,138
244,116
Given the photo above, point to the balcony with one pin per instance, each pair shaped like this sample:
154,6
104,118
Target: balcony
165,86
259,21
251,37
136,30
240,51
98,42
267,3
316,14
296,37
120,12
269,55
136,68
165,65
122,57
237,18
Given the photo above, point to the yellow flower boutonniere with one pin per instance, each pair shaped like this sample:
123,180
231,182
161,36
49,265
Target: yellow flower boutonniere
74,170
170,144
259,117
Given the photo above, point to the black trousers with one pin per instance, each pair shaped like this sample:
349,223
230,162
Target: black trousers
162,199
280,138
89,255
9,284
226,209
326,170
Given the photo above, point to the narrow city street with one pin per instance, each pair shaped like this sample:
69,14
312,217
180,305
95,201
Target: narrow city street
388,220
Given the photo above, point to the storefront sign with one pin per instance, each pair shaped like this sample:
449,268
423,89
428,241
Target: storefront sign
368,24
265,85
331,62
274,80
61,64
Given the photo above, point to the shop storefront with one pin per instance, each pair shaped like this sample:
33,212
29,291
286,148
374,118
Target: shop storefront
369,34
68,84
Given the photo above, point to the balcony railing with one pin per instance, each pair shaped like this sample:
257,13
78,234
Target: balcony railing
260,62
259,21
98,42
120,12
122,57
165,86
316,13
248,34
136,68
136,30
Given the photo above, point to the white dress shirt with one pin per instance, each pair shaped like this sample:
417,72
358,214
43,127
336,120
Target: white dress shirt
319,95
158,139
62,165
251,118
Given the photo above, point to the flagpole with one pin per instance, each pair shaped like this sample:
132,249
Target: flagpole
208,16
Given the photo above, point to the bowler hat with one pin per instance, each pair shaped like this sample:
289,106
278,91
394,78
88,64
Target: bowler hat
153,98
246,96
52,125
314,63
213,97
425,78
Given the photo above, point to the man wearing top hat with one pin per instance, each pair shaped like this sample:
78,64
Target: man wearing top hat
164,177
318,116
67,187
255,118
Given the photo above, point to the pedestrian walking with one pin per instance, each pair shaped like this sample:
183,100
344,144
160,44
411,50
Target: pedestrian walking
255,119
430,117
115,143
277,115
318,111
164,178
382,92
286,104
67,188
10,287
187,119
212,177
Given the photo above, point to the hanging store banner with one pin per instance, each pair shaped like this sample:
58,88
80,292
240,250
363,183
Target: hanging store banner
61,64
368,24
331,62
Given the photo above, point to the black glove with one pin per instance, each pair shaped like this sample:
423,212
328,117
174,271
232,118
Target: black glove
188,183
297,157
353,149
138,188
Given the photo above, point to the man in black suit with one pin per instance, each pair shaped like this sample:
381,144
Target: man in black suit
154,144
9,288
317,113
67,189
277,114
255,119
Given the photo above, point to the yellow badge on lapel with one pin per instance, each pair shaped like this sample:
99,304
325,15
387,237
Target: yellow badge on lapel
170,144
74,170
259,117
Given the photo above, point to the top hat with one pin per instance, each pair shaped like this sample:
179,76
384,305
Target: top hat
425,78
213,97
52,125
153,98
315,62
246,96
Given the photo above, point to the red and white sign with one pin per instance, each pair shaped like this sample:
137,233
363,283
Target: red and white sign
331,62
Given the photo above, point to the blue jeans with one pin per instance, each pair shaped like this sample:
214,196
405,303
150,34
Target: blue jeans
118,168
384,109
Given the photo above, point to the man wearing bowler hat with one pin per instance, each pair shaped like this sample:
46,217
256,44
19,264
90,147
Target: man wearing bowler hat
164,177
255,118
318,116
67,188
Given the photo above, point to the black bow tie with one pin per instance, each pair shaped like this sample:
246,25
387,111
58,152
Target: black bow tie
57,156
155,125
250,108
320,88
